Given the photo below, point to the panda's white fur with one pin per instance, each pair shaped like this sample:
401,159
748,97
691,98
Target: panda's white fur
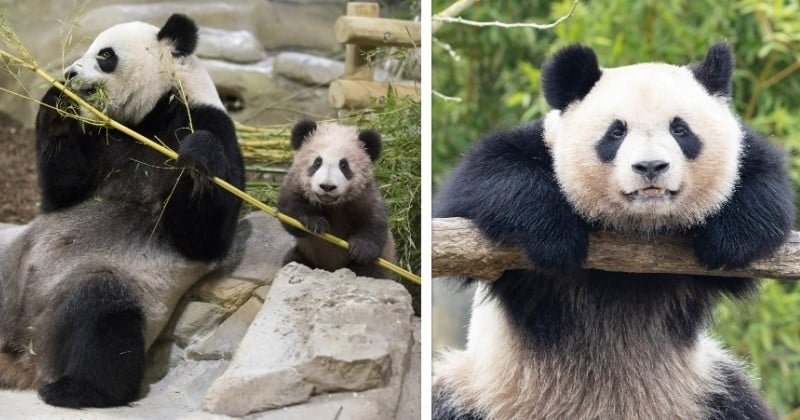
641,149
636,94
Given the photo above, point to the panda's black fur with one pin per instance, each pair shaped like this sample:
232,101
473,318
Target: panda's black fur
603,327
86,287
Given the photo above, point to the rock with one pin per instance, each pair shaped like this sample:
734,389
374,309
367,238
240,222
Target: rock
314,326
261,293
307,68
196,318
254,95
409,407
259,248
228,292
236,46
222,342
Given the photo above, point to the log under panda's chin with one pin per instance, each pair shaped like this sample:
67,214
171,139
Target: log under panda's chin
88,285
641,149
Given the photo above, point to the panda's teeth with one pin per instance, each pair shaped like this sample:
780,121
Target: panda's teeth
651,191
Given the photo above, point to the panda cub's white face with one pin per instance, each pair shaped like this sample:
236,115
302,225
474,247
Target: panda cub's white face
647,149
136,64
335,165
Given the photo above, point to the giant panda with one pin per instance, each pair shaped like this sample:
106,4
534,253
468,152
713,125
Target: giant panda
330,188
642,149
87,286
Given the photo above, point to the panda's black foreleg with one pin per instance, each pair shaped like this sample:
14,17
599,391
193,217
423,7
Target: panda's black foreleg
292,204
201,217
97,346
757,218
66,156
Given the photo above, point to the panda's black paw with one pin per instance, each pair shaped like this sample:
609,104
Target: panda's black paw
558,254
363,251
68,392
316,224
716,251
202,151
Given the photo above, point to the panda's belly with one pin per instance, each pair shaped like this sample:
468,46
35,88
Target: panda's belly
61,249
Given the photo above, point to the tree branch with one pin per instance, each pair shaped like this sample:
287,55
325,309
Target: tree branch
458,248
449,16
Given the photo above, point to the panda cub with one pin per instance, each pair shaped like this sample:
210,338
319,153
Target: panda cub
642,149
89,284
330,188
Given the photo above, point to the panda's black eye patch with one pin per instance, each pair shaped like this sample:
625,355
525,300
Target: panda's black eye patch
315,165
344,166
107,60
689,142
609,144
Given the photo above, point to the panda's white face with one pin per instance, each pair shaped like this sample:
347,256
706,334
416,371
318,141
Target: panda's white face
647,149
135,65
334,165
132,68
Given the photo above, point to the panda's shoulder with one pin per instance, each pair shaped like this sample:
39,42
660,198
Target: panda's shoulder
522,143
759,153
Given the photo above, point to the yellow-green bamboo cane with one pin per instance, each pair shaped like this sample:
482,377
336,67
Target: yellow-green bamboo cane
221,182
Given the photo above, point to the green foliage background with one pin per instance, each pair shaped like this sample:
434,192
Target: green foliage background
495,74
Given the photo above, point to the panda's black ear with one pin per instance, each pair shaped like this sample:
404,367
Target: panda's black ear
372,142
569,75
301,131
181,32
715,73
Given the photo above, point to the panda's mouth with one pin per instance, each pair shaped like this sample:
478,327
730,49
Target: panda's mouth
650,192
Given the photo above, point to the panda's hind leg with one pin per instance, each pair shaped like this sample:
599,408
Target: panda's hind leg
96,349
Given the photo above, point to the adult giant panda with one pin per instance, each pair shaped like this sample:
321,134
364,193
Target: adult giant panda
87,286
641,149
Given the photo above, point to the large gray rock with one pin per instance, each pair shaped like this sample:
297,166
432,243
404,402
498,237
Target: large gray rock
222,342
308,69
315,327
235,46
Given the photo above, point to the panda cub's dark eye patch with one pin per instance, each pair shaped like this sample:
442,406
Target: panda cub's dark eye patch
344,166
688,142
107,60
315,165
609,144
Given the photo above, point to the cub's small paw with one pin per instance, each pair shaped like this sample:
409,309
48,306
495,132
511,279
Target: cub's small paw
363,251
316,224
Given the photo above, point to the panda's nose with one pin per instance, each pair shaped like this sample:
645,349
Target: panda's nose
327,187
69,74
650,169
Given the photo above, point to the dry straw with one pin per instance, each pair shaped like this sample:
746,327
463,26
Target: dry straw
23,59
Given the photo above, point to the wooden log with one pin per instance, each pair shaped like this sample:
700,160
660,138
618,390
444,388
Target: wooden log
377,32
458,248
354,63
356,94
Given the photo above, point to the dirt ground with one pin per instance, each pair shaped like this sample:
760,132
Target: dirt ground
19,194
